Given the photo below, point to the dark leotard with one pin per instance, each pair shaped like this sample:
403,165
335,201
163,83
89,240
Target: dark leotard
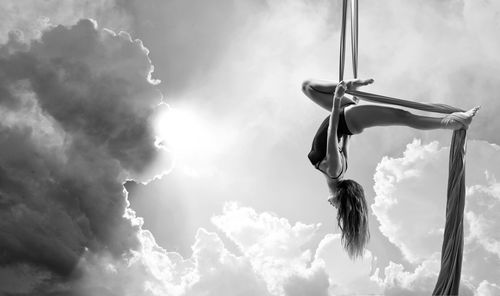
318,149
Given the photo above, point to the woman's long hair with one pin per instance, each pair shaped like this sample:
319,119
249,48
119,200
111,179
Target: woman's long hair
352,217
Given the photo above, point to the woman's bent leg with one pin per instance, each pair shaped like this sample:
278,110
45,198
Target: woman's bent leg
320,92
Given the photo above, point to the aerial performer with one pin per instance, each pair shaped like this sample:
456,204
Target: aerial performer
330,149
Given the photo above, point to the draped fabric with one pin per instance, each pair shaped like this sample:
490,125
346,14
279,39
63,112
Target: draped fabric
430,107
451,253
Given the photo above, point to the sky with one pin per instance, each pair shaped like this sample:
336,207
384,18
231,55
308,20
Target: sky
159,147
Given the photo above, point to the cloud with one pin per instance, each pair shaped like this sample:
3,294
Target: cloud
420,281
347,276
487,289
76,109
166,211
222,273
33,17
272,261
277,250
400,200
410,188
211,270
272,244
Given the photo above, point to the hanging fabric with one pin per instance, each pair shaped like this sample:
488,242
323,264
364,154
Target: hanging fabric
448,282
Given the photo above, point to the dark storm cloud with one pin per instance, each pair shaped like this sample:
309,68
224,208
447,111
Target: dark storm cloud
32,17
75,108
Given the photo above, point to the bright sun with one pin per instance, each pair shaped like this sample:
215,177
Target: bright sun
186,134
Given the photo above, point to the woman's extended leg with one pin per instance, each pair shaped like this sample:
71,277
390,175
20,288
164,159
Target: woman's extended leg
364,116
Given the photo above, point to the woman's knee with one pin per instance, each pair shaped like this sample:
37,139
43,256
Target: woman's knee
306,85
313,87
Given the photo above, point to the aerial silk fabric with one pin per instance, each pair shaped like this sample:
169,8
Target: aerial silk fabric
451,253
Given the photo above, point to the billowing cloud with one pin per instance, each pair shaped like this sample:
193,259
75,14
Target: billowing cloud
395,183
277,251
271,261
347,276
487,289
33,17
151,270
410,207
75,110
274,247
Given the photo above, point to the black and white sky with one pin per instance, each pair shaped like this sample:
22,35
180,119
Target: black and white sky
158,147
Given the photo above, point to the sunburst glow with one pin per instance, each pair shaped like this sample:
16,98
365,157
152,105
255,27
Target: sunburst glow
187,134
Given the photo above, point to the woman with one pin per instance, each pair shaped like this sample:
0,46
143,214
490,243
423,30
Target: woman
329,152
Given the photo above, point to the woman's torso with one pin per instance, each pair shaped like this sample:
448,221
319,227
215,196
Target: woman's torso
317,155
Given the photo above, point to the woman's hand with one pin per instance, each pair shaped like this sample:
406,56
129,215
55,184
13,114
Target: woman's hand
339,93
340,90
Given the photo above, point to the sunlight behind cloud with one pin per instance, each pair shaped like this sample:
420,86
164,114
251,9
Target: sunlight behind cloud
194,140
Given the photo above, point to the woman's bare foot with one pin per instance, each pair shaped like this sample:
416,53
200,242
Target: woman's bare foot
459,120
356,83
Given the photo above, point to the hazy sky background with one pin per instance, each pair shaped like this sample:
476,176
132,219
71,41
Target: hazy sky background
235,207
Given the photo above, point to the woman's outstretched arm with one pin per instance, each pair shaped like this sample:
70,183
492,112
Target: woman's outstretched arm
345,147
333,158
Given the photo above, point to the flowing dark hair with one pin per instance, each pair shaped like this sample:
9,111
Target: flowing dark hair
352,217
